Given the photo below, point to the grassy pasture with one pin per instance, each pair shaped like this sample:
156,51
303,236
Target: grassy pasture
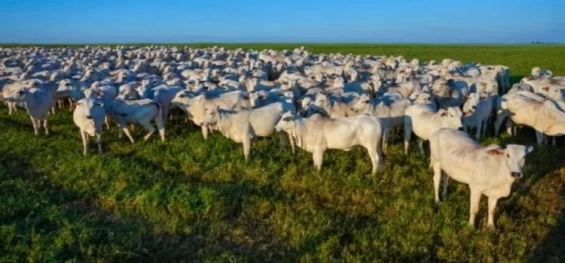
191,200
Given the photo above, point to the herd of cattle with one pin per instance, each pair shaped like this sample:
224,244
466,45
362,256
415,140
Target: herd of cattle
320,101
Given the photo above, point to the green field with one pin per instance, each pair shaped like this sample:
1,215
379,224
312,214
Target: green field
191,200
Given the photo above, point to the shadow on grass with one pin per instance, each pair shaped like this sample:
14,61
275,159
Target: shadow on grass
552,248
91,232
237,192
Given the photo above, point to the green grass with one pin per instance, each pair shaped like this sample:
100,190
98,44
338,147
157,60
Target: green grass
194,200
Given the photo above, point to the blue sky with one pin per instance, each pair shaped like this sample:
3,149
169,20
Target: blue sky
397,21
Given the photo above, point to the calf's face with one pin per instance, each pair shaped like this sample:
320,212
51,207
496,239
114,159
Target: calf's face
421,98
514,157
286,122
211,116
452,118
361,103
94,111
470,105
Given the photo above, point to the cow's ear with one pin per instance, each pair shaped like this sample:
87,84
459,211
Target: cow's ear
496,152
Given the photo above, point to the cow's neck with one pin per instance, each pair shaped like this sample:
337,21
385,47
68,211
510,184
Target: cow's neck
501,172
223,122
300,131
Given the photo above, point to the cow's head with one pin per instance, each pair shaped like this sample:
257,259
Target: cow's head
513,156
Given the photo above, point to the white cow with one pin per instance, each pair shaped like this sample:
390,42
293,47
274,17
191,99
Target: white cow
424,121
391,116
477,110
128,91
335,108
71,90
88,116
141,112
543,115
37,102
11,89
488,171
318,133
245,125
195,104
164,95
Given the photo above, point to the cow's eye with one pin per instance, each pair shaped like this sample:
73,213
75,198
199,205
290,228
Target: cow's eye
287,118
508,155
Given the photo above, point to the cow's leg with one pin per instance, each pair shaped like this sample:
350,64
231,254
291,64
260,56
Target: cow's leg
35,125
474,206
291,141
46,126
554,140
375,159
84,137
70,104
445,180
492,201
204,131
407,134
126,132
545,139
246,148
60,104
160,122
99,142
436,166
150,129
421,145
318,156
107,122
160,127
385,139
539,137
